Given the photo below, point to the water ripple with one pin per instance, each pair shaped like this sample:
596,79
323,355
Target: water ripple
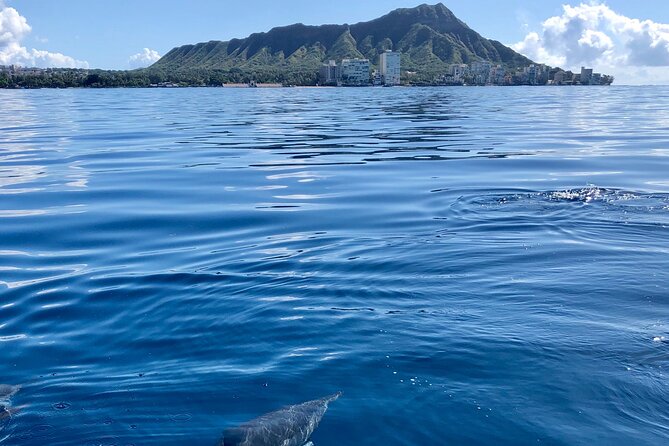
489,263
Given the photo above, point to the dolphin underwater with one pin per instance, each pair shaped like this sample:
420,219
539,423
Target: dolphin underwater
6,392
290,426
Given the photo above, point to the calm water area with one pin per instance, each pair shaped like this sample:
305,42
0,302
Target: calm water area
469,266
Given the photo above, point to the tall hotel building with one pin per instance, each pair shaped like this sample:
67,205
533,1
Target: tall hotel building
390,67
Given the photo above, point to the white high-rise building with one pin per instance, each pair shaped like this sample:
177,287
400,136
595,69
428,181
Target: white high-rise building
390,67
480,71
586,76
459,72
328,73
354,72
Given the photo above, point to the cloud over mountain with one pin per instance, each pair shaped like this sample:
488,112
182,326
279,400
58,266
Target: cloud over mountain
595,35
144,58
13,29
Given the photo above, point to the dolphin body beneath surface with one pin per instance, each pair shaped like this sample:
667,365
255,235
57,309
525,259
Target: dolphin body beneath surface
6,392
290,426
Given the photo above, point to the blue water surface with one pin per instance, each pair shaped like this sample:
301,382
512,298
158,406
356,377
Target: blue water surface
470,266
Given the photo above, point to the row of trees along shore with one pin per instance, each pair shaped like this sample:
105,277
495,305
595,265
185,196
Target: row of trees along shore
71,78
12,77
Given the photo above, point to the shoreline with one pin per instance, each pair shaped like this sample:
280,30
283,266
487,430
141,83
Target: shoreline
279,86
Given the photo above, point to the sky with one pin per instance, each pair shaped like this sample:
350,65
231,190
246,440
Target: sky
626,38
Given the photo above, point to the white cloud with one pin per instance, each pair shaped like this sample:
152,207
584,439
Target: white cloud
144,58
593,34
13,29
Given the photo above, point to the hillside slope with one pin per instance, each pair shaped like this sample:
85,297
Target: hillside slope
429,37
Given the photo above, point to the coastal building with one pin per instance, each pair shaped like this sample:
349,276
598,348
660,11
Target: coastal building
559,78
389,64
18,70
530,75
458,72
328,73
534,75
485,73
497,75
377,79
586,76
354,72
480,72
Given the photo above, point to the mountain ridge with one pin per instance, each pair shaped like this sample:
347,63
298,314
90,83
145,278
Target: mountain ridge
429,37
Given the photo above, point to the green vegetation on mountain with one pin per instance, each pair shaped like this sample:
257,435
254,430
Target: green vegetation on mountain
429,37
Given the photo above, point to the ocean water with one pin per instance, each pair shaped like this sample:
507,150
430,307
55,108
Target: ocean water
469,266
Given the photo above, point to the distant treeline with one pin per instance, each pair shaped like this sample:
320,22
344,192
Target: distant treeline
69,78
192,77
13,77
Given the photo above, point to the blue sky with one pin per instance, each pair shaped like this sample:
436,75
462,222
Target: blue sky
106,34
